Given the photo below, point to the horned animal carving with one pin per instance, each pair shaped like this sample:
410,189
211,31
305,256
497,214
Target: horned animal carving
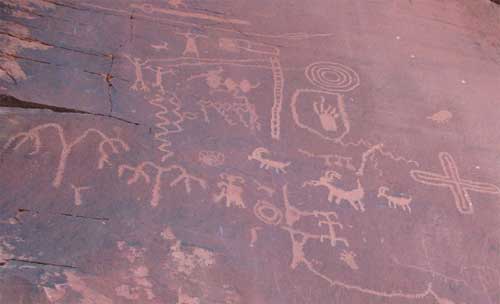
353,197
394,201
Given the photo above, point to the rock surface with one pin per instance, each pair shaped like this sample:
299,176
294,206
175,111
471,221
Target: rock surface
189,152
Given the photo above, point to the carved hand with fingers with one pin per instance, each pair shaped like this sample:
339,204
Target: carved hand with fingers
327,115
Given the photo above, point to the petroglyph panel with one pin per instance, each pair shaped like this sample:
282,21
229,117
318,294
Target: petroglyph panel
180,151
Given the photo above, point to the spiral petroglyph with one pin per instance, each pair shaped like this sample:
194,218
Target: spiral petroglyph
332,76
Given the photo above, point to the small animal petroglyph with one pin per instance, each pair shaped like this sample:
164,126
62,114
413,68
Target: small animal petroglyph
332,160
34,135
78,194
258,155
349,258
231,190
394,201
327,115
451,179
211,158
441,117
354,196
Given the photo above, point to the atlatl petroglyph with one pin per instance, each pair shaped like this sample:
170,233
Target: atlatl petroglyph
231,190
259,155
451,179
354,196
395,201
77,192
334,126
34,135
211,158
140,172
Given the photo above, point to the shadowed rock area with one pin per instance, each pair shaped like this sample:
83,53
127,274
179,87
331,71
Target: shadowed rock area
191,152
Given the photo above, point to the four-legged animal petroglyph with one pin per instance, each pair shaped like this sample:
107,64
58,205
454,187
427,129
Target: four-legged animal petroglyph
34,135
395,201
451,179
354,196
231,190
139,172
258,155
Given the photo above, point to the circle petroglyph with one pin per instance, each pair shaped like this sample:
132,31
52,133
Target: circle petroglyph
332,76
267,213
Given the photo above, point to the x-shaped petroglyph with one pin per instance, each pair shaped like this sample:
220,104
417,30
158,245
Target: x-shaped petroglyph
451,179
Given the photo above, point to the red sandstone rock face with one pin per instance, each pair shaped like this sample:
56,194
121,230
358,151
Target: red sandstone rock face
249,152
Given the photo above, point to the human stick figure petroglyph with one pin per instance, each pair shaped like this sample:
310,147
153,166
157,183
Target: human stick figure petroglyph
191,48
231,190
258,155
395,201
139,172
353,197
77,192
34,135
451,179
139,83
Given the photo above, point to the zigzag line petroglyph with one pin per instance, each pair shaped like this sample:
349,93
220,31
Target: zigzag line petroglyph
139,172
451,179
170,107
370,155
34,135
